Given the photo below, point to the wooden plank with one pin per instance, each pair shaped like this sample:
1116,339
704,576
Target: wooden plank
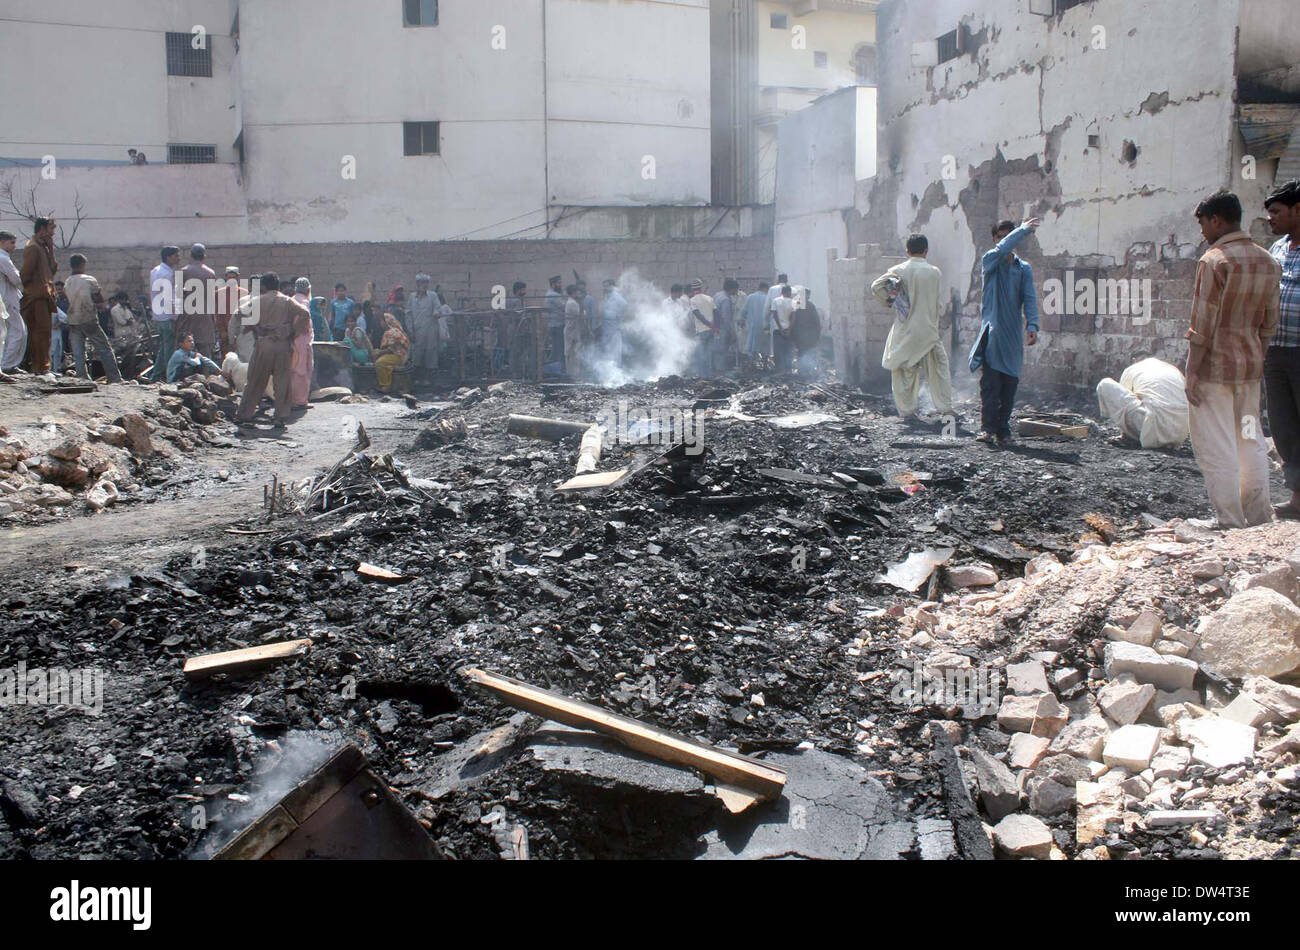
244,661
372,572
1039,428
550,430
593,481
758,778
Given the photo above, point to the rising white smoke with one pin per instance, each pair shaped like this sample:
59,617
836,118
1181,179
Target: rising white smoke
654,345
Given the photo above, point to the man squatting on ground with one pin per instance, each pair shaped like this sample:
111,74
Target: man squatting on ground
914,289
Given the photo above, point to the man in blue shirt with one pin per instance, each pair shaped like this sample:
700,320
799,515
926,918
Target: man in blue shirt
342,306
612,311
1282,362
1010,305
185,362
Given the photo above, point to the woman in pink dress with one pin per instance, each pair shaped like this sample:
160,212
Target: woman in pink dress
304,362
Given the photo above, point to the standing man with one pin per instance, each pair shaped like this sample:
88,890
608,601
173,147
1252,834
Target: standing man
726,317
782,325
342,306
423,318
590,312
702,307
1234,313
1010,307
554,304
807,334
227,303
1282,362
11,292
574,331
85,300
913,289
612,311
197,311
164,304
758,336
37,275
279,319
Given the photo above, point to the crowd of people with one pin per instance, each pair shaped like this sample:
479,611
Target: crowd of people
1243,342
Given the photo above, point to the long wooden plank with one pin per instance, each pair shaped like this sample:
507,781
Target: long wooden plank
747,773
1034,427
240,661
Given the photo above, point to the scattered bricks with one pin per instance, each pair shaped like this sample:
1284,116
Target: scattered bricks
1257,632
1282,700
1217,742
1017,713
1065,678
1065,770
1084,738
1131,747
1025,750
1172,648
1169,819
1048,797
1051,719
1145,629
1023,836
1170,762
1099,805
971,575
1120,635
1026,678
1247,711
1148,666
1124,699
999,792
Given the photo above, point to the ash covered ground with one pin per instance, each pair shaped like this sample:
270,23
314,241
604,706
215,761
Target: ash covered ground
672,598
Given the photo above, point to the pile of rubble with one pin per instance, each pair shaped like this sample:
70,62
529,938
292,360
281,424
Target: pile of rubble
1152,695
93,466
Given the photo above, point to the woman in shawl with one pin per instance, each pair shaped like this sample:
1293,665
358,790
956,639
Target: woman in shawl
392,352
358,342
318,324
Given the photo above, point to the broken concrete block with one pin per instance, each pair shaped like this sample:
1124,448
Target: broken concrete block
1065,770
1148,666
1282,700
999,791
1247,711
1048,797
1171,648
1206,570
137,434
1257,632
1175,698
1171,762
1065,678
1083,738
1131,747
1046,563
1051,718
1026,678
1121,635
1287,743
1217,742
1025,750
1124,699
1169,819
1277,576
1098,805
67,451
1145,629
1023,836
1136,786
1017,713
971,575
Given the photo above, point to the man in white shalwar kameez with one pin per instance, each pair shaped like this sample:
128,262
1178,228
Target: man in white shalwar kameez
1149,403
913,289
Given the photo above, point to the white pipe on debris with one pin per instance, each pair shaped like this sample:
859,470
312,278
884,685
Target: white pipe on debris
589,451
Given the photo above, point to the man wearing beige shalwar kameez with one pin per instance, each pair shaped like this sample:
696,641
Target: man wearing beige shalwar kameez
913,289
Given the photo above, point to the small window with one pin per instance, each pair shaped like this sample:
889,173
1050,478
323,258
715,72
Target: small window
191,154
780,21
1063,5
1094,141
419,12
420,138
184,60
950,46
820,60
864,65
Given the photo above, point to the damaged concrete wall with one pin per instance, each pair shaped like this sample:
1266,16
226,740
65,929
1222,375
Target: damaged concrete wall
859,335
1101,121
465,269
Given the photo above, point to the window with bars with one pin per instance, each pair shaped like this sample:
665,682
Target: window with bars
191,154
780,21
184,60
950,45
419,12
420,138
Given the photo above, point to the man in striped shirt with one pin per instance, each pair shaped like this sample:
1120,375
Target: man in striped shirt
1234,314
1282,364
